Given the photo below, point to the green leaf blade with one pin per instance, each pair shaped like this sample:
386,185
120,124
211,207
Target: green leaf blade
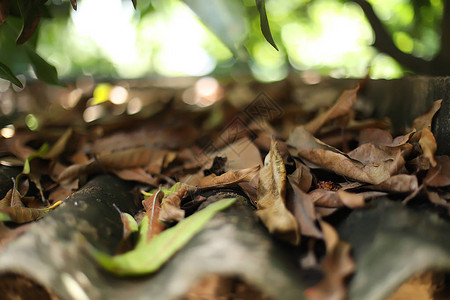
7,74
44,71
149,257
225,18
264,23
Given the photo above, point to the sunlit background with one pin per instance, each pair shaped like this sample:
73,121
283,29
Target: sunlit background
108,38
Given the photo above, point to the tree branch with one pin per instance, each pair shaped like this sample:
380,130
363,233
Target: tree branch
384,43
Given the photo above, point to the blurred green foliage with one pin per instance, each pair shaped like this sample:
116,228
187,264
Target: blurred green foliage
108,38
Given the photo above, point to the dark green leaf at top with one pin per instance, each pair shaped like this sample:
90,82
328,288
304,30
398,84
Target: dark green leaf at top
225,18
44,71
4,10
74,4
31,15
134,3
7,74
260,4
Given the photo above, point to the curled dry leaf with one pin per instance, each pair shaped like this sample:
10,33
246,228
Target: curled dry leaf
371,172
59,146
428,145
229,178
425,120
11,199
337,266
301,177
271,198
439,175
339,109
170,209
303,210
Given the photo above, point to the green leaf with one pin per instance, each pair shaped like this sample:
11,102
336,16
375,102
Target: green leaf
131,222
40,153
4,10
44,71
167,192
31,15
264,23
225,18
7,74
74,4
4,217
149,257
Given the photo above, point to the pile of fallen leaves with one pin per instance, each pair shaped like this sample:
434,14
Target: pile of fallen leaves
298,169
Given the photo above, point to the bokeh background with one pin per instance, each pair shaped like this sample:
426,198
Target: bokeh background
110,39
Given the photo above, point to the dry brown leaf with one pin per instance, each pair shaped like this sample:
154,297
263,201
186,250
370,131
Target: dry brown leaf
325,198
23,214
271,198
424,121
62,192
170,209
401,183
367,163
351,200
435,198
127,159
60,145
375,172
229,178
300,138
335,199
428,145
303,210
381,137
136,174
421,287
301,177
339,109
242,154
17,145
439,175
330,236
337,266
11,199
